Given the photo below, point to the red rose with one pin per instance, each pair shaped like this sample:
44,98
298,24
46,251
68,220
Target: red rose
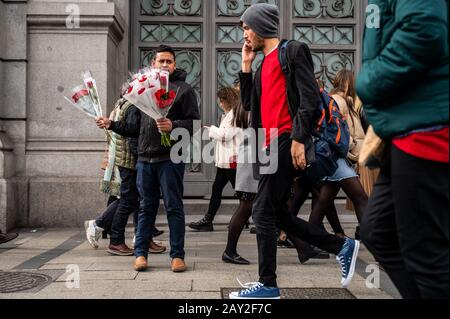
141,91
79,95
75,98
160,94
162,104
90,84
172,95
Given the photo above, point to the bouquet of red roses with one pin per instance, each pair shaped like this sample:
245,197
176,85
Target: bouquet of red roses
149,91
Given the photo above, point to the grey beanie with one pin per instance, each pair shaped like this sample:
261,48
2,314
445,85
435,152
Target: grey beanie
263,19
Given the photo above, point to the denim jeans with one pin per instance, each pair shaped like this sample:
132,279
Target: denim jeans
152,178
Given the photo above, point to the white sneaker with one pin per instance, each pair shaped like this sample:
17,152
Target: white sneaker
93,233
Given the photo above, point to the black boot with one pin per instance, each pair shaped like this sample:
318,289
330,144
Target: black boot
203,225
156,232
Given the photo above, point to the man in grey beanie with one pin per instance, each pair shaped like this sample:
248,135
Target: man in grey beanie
294,120
263,19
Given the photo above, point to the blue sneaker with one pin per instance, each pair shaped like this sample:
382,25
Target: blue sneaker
255,290
347,259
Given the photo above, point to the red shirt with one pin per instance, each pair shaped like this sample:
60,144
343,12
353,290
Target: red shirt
432,146
274,104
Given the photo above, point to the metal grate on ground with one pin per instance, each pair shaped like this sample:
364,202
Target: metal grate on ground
11,282
304,293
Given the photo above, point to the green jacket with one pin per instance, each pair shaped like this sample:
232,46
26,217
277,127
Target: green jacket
124,150
403,81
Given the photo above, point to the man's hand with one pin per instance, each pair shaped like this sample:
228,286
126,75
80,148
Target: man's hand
164,125
248,56
298,155
103,122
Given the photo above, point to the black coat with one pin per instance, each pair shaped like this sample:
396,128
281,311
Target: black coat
304,98
182,114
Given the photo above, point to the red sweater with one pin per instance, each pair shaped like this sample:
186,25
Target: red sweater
274,104
432,146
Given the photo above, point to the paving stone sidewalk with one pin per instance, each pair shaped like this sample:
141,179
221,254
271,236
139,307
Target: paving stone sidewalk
50,257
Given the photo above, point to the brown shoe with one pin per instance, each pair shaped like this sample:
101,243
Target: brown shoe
140,264
120,250
178,265
156,249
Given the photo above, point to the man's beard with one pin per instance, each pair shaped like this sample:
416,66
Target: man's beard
259,45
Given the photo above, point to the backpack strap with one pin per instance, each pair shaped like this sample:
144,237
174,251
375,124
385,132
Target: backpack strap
283,57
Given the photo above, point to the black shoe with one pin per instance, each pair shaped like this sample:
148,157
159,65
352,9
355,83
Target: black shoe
156,232
253,230
236,259
285,243
313,253
4,238
203,225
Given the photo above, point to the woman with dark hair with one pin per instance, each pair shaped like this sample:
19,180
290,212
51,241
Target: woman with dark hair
227,136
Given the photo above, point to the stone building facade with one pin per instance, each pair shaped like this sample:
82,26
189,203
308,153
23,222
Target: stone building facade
50,154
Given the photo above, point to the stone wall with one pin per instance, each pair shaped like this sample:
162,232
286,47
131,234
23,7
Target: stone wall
58,149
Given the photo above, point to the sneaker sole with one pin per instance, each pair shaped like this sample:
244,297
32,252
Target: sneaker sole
349,278
231,296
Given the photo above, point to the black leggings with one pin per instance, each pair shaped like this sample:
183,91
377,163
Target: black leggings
223,176
352,188
302,187
237,223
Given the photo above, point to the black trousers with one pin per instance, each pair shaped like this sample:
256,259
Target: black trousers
128,204
406,225
270,211
223,176
106,219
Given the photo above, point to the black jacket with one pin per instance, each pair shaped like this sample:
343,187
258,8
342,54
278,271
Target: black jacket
182,114
304,103
132,117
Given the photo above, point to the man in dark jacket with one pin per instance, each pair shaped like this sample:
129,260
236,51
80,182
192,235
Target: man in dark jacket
156,171
123,153
404,84
265,96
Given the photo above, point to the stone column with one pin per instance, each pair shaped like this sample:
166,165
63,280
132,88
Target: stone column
8,206
64,149
13,69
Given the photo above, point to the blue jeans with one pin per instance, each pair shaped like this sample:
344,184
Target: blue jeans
151,178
